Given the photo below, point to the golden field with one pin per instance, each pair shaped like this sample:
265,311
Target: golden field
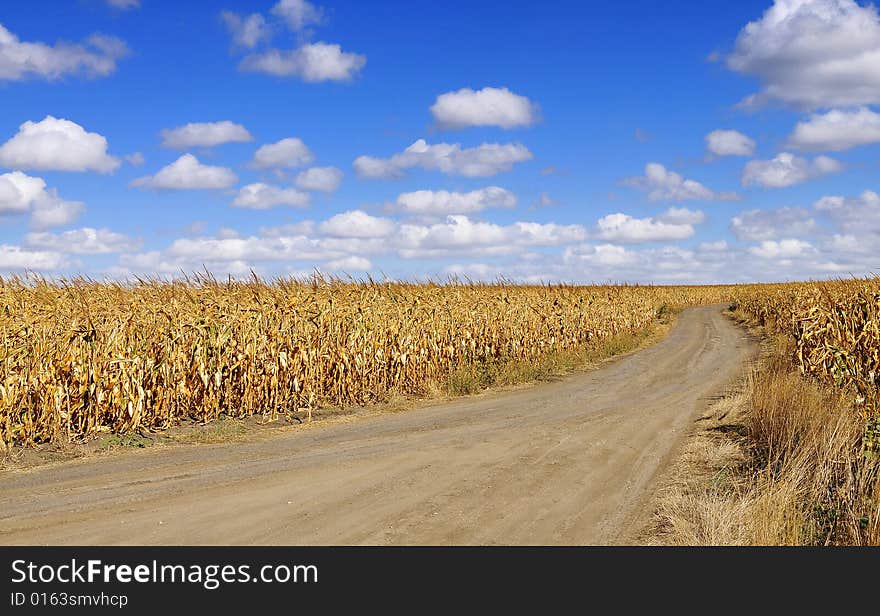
79,357
835,327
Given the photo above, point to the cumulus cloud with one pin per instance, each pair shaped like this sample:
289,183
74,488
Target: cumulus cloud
812,53
443,202
782,249
606,255
55,144
16,258
247,31
96,57
665,185
187,173
204,135
312,62
757,225
357,223
287,153
484,160
717,246
474,271
289,244
85,241
459,235
858,216
18,192
729,143
712,262
259,196
787,170
54,211
487,107
23,194
524,251
836,130
322,179
350,264
626,229
298,14
682,216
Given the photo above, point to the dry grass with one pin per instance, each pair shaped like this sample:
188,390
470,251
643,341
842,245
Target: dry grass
780,462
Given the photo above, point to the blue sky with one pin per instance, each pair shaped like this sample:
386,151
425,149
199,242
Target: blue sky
684,142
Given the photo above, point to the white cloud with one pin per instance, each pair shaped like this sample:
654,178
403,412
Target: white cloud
54,211
15,258
287,153
859,216
786,170
812,53
443,202
682,216
18,192
487,107
459,235
303,227
716,246
135,159
755,225
601,255
82,241
55,144
22,194
20,59
204,135
665,185
312,62
624,228
729,143
298,14
526,252
484,160
247,31
323,179
474,271
350,264
782,249
357,224
259,196
841,204
231,253
836,130
187,173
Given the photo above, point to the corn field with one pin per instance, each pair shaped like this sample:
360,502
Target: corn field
835,326
78,357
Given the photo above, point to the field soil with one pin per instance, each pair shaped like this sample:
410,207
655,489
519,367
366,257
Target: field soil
569,462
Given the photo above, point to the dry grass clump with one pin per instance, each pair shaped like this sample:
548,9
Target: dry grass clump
816,482
781,462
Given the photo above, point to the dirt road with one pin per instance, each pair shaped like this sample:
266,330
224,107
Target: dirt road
569,462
